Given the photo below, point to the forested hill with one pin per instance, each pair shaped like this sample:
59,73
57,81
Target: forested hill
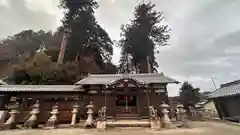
16,47
20,62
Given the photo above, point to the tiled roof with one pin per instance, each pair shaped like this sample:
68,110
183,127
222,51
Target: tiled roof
39,88
109,78
226,91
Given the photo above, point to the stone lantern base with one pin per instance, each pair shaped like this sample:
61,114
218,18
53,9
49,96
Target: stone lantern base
31,124
51,125
10,126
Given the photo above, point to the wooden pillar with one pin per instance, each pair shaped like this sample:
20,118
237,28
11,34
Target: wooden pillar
138,102
113,97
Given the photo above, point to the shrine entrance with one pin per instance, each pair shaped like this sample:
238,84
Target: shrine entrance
126,104
124,94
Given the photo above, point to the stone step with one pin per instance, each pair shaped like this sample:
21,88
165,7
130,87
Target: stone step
128,115
128,118
127,123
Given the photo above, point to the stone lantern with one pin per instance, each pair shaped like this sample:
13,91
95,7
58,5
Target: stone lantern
32,122
74,114
52,121
165,120
182,116
89,121
11,123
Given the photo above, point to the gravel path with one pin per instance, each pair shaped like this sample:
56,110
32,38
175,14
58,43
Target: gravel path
199,128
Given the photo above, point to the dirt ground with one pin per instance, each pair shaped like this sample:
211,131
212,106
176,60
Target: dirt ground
198,128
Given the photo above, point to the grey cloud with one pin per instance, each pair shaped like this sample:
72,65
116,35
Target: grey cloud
206,45
17,17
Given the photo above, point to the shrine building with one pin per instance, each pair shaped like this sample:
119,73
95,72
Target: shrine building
125,96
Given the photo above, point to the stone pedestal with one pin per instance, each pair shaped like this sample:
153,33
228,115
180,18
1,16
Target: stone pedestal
53,120
32,122
89,121
101,125
155,125
11,123
166,122
74,114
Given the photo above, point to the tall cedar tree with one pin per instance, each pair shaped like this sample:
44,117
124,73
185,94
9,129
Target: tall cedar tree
189,95
140,39
87,38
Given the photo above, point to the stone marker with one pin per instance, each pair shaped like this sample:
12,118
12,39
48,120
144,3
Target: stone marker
74,114
32,122
101,123
53,120
11,123
165,120
89,121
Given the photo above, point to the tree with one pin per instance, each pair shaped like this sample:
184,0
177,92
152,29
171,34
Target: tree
140,38
87,37
39,69
189,96
15,48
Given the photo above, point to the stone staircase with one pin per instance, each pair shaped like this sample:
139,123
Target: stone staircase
127,117
127,121
128,124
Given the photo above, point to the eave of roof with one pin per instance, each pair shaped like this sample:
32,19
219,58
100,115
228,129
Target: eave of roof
39,88
105,79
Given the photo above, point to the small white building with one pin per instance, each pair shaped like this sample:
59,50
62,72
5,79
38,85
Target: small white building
2,82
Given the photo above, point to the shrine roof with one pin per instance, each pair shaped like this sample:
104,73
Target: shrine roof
39,88
105,79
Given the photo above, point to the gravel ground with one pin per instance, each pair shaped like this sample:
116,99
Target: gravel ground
198,128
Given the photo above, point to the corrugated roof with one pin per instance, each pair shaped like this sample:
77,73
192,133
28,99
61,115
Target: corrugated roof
109,78
38,88
226,91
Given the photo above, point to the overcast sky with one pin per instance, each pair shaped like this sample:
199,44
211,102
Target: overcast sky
205,35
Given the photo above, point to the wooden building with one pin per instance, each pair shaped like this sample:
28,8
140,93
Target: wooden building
227,101
124,95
